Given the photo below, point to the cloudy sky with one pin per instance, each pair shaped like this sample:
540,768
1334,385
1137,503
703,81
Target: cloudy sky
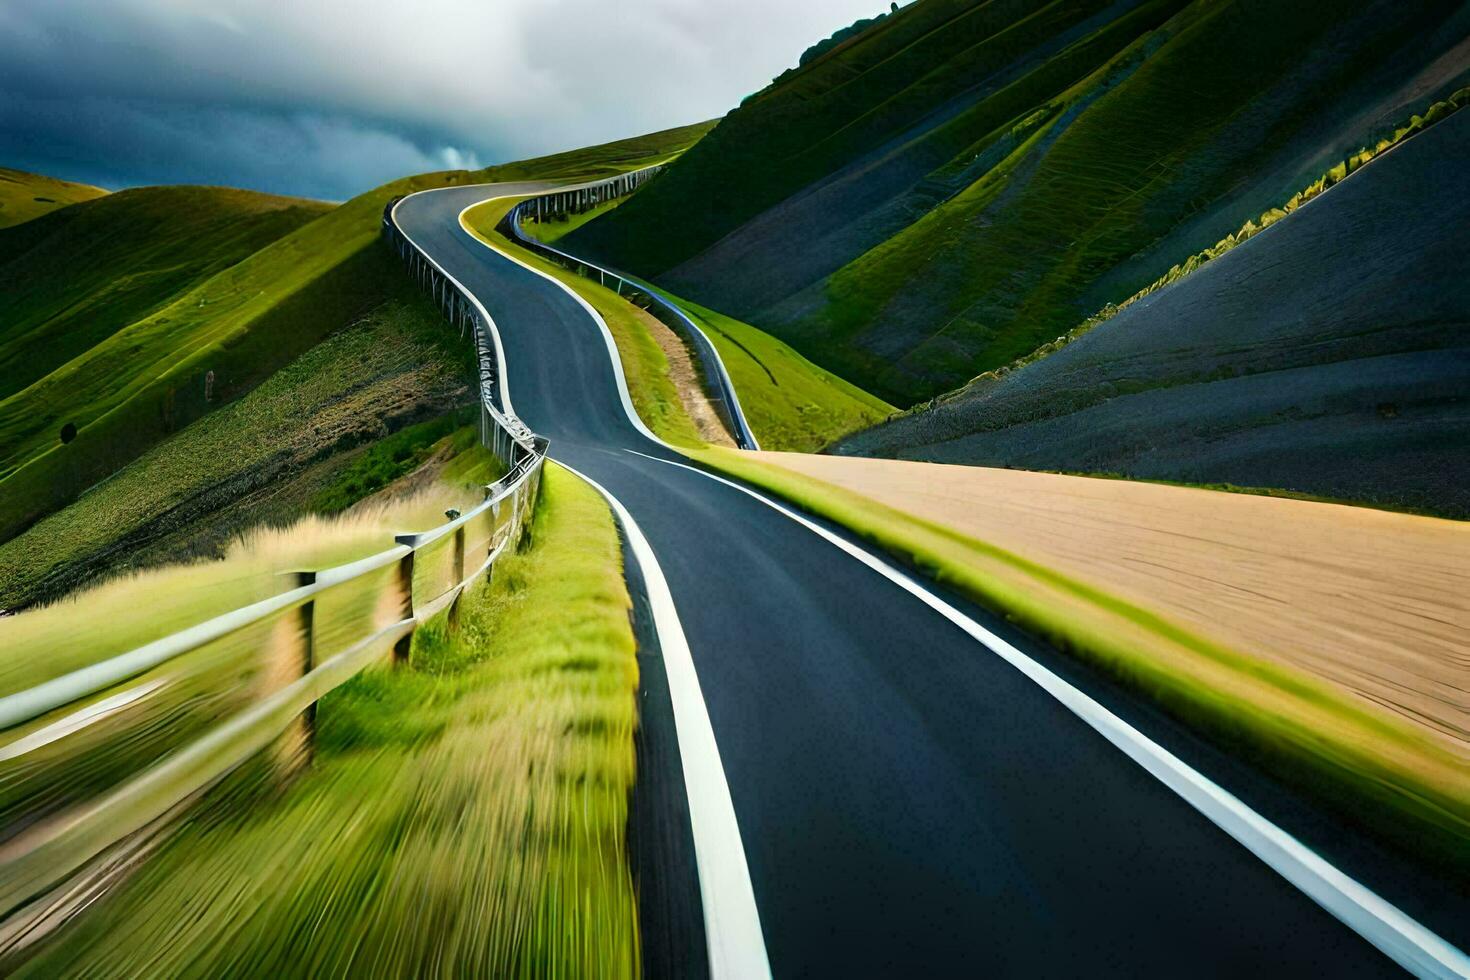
327,98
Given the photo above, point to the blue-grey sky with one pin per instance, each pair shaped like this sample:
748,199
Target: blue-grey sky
328,98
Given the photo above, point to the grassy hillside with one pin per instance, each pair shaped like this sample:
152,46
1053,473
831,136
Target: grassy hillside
149,378
963,181
1325,354
72,278
24,196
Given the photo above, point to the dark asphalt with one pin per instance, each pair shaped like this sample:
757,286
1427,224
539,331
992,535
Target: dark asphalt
910,804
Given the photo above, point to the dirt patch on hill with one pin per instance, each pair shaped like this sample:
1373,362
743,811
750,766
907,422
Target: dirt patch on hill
685,376
1369,601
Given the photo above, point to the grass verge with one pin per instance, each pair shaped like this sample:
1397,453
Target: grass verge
790,403
1371,769
482,789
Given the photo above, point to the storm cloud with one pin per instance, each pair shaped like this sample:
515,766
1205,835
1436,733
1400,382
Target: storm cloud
327,98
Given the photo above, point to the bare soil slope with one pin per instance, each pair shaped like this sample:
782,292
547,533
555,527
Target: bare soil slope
1329,354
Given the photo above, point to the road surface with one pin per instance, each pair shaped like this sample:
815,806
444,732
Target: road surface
910,803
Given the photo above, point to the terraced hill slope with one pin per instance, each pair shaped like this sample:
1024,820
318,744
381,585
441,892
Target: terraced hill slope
946,190
24,196
1328,354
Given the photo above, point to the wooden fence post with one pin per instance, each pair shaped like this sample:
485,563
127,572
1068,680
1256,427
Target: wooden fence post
306,617
404,645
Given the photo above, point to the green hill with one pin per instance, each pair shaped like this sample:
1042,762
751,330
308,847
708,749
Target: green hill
962,181
72,278
24,196
159,452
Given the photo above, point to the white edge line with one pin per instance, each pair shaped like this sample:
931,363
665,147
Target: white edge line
1401,938
737,947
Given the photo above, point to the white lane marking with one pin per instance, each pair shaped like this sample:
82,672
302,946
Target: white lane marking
76,721
732,925
1400,937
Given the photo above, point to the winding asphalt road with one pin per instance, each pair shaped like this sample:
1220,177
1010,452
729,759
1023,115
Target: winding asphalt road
910,803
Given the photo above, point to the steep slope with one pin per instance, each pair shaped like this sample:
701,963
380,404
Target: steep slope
1328,354
71,278
221,337
943,192
24,196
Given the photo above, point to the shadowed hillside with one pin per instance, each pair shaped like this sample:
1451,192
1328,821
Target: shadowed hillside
963,181
1328,354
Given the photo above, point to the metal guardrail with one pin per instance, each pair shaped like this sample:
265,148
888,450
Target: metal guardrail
582,198
340,620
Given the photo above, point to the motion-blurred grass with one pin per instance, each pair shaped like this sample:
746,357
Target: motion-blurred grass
464,815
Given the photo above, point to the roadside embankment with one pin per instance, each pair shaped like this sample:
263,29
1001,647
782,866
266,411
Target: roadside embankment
1329,643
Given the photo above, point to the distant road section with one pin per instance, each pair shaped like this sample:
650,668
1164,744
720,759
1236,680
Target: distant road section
1372,602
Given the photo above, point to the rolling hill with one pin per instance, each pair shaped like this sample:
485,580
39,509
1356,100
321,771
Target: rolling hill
24,196
944,191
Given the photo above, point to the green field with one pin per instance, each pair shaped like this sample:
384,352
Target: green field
24,196
497,765
279,447
73,278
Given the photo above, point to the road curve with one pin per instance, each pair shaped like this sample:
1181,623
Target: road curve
909,802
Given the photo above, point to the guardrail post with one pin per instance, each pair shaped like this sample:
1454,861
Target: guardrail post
404,583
